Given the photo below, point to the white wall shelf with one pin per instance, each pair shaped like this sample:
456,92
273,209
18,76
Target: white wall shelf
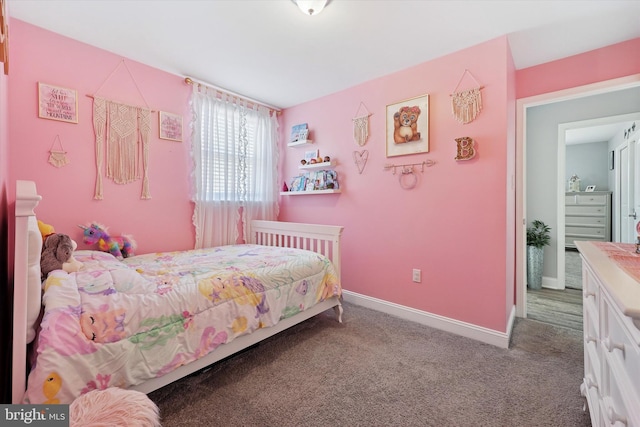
300,143
322,165
309,193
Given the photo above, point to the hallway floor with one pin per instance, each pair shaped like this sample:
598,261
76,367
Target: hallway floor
556,307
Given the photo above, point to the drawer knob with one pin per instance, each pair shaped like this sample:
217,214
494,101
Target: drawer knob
591,339
590,383
611,345
588,294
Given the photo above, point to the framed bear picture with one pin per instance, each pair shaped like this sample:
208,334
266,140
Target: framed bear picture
408,127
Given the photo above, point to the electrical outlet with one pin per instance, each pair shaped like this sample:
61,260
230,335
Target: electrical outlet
417,275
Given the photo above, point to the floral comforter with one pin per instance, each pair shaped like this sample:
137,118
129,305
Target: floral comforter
119,323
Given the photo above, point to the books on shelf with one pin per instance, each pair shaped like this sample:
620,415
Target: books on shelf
315,180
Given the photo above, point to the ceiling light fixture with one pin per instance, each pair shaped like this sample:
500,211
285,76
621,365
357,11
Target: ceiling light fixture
311,7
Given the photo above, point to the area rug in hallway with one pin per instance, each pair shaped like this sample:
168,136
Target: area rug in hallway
573,269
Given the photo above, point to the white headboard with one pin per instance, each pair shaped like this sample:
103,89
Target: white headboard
26,282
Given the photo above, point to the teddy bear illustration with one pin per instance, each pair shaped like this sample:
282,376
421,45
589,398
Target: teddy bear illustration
405,122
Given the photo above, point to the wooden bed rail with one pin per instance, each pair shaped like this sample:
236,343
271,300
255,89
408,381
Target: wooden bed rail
324,239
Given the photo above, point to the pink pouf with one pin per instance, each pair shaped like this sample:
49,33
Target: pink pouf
114,407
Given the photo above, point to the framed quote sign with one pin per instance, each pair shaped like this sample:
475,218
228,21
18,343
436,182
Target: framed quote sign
57,103
170,126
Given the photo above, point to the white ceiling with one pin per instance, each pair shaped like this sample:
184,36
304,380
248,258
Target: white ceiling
600,133
269,51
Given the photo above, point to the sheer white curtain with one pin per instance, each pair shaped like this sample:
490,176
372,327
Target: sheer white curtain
235,154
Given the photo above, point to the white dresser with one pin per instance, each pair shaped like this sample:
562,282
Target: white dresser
611,309
587,217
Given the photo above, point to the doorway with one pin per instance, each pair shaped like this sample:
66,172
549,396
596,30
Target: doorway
609,163
523,105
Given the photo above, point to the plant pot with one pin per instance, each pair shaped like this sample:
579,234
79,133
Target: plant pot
534,267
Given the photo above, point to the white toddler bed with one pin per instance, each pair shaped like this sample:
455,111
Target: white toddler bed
136,313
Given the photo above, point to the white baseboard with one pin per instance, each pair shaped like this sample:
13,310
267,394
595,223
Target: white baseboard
479,333
551,283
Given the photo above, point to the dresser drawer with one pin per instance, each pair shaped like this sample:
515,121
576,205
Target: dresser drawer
590,298
618,402
585,210
585,220
589,390
570,200
569,240
595,199
620,346
596,232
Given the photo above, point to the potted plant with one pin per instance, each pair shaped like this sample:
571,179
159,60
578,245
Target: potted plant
538,236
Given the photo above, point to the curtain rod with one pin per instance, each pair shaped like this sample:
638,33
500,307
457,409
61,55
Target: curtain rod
190,81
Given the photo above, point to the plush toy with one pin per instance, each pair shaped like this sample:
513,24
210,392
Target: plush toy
57,254
118,246
45,229
405,123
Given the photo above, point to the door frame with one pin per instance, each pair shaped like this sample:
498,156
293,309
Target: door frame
522,105
618,186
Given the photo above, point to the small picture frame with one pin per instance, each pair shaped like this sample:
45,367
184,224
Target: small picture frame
590,188
57,103
311,155
170,126
299,132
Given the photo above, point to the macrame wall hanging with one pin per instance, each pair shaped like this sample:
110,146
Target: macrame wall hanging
361,125
466,104
122,140
58,157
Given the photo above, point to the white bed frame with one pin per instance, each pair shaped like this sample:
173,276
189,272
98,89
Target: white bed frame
324,239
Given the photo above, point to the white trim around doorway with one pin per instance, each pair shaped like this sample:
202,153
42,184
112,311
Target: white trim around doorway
521,127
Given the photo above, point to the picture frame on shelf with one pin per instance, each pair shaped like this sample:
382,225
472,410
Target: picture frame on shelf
299,132
311,155
408,126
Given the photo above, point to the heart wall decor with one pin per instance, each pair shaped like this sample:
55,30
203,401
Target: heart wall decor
360,158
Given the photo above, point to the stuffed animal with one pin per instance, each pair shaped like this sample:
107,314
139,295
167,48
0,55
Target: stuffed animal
118,246
57,254
405,123
46,230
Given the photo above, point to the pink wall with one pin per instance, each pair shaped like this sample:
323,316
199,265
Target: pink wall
457,225
618,60
452,225
6,282
37,55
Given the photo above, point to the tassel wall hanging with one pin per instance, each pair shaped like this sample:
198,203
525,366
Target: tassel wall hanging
466,104
361,126
58,158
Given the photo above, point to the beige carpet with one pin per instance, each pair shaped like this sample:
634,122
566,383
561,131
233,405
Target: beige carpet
378,370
